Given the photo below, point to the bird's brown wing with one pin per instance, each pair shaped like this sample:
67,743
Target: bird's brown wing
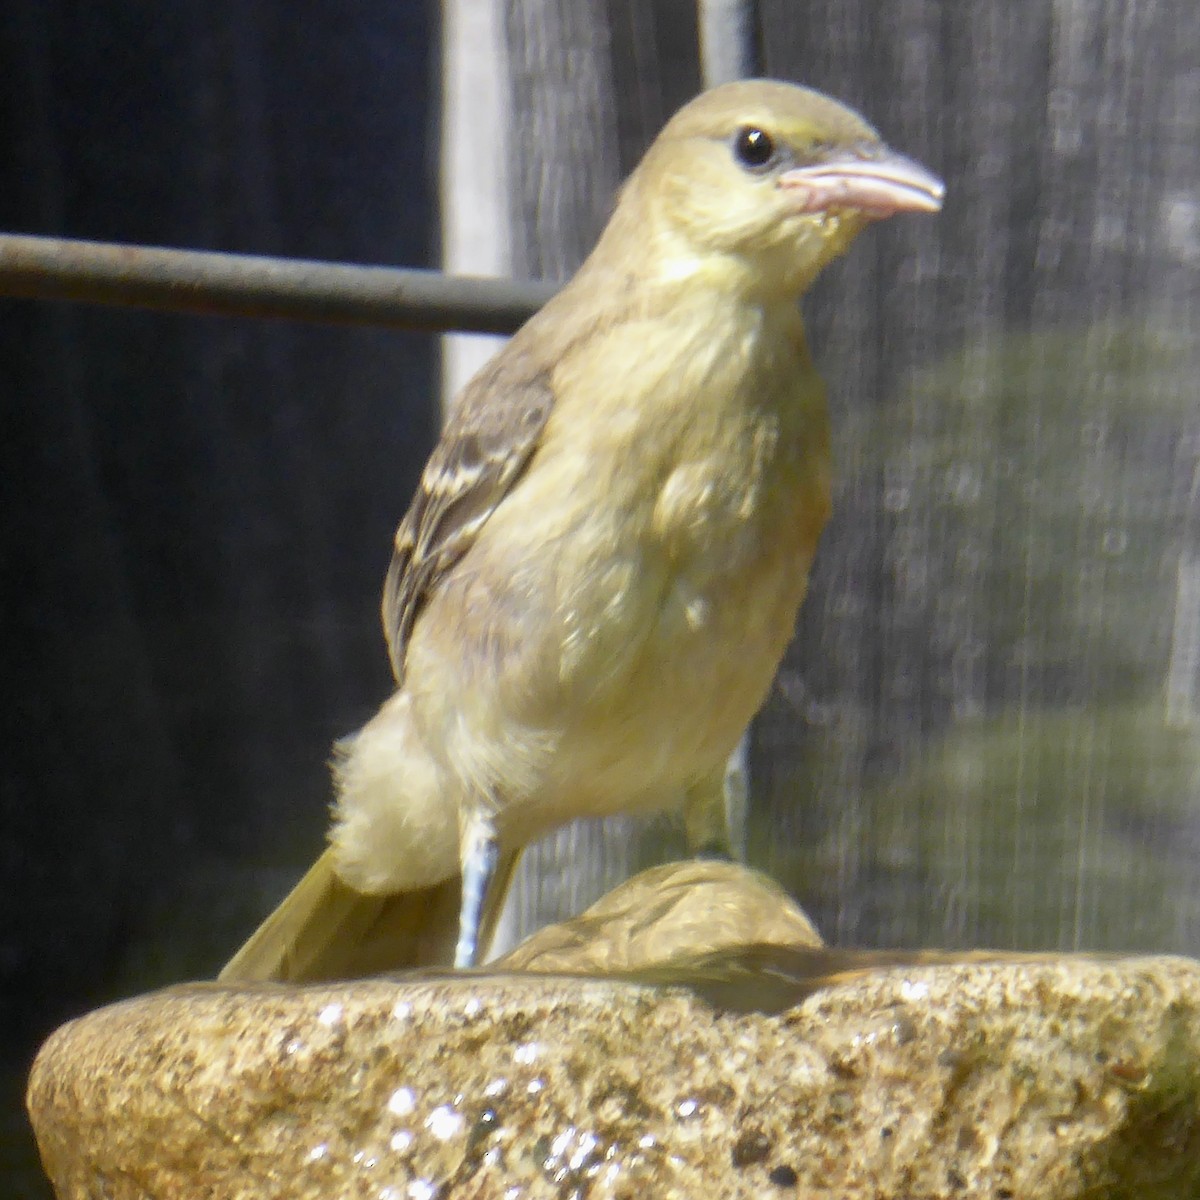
486,445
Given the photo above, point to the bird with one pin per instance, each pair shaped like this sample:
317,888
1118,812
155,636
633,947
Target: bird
603,562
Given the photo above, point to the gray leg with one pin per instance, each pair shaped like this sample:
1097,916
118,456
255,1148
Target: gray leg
714,809
480,853
736,794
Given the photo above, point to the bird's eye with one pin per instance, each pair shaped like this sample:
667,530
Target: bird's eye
753,147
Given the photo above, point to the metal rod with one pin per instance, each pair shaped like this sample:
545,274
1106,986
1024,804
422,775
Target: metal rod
256,286
729,46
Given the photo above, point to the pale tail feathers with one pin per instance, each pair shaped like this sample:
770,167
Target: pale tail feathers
385,896
324,929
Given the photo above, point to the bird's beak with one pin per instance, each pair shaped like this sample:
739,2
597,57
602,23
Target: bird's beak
880,186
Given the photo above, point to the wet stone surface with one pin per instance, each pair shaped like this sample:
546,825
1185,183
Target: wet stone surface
1042,1078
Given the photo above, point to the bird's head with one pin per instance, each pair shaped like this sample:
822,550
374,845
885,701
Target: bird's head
765,182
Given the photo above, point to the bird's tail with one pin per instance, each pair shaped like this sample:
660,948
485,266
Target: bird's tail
327,930
324,929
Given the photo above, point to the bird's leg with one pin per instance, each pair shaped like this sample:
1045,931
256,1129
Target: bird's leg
735,794
480,853
714,809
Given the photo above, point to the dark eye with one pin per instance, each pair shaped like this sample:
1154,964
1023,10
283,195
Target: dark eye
753,147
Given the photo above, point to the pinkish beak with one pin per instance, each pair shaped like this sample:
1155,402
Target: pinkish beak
877,187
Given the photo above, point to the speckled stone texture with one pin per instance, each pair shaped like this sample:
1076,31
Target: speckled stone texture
1026,1080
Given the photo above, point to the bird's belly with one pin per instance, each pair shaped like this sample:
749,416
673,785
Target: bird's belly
690,691
664,696
622,665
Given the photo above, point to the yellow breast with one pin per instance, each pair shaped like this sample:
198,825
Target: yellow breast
623,613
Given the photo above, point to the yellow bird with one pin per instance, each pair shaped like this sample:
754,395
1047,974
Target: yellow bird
602,566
